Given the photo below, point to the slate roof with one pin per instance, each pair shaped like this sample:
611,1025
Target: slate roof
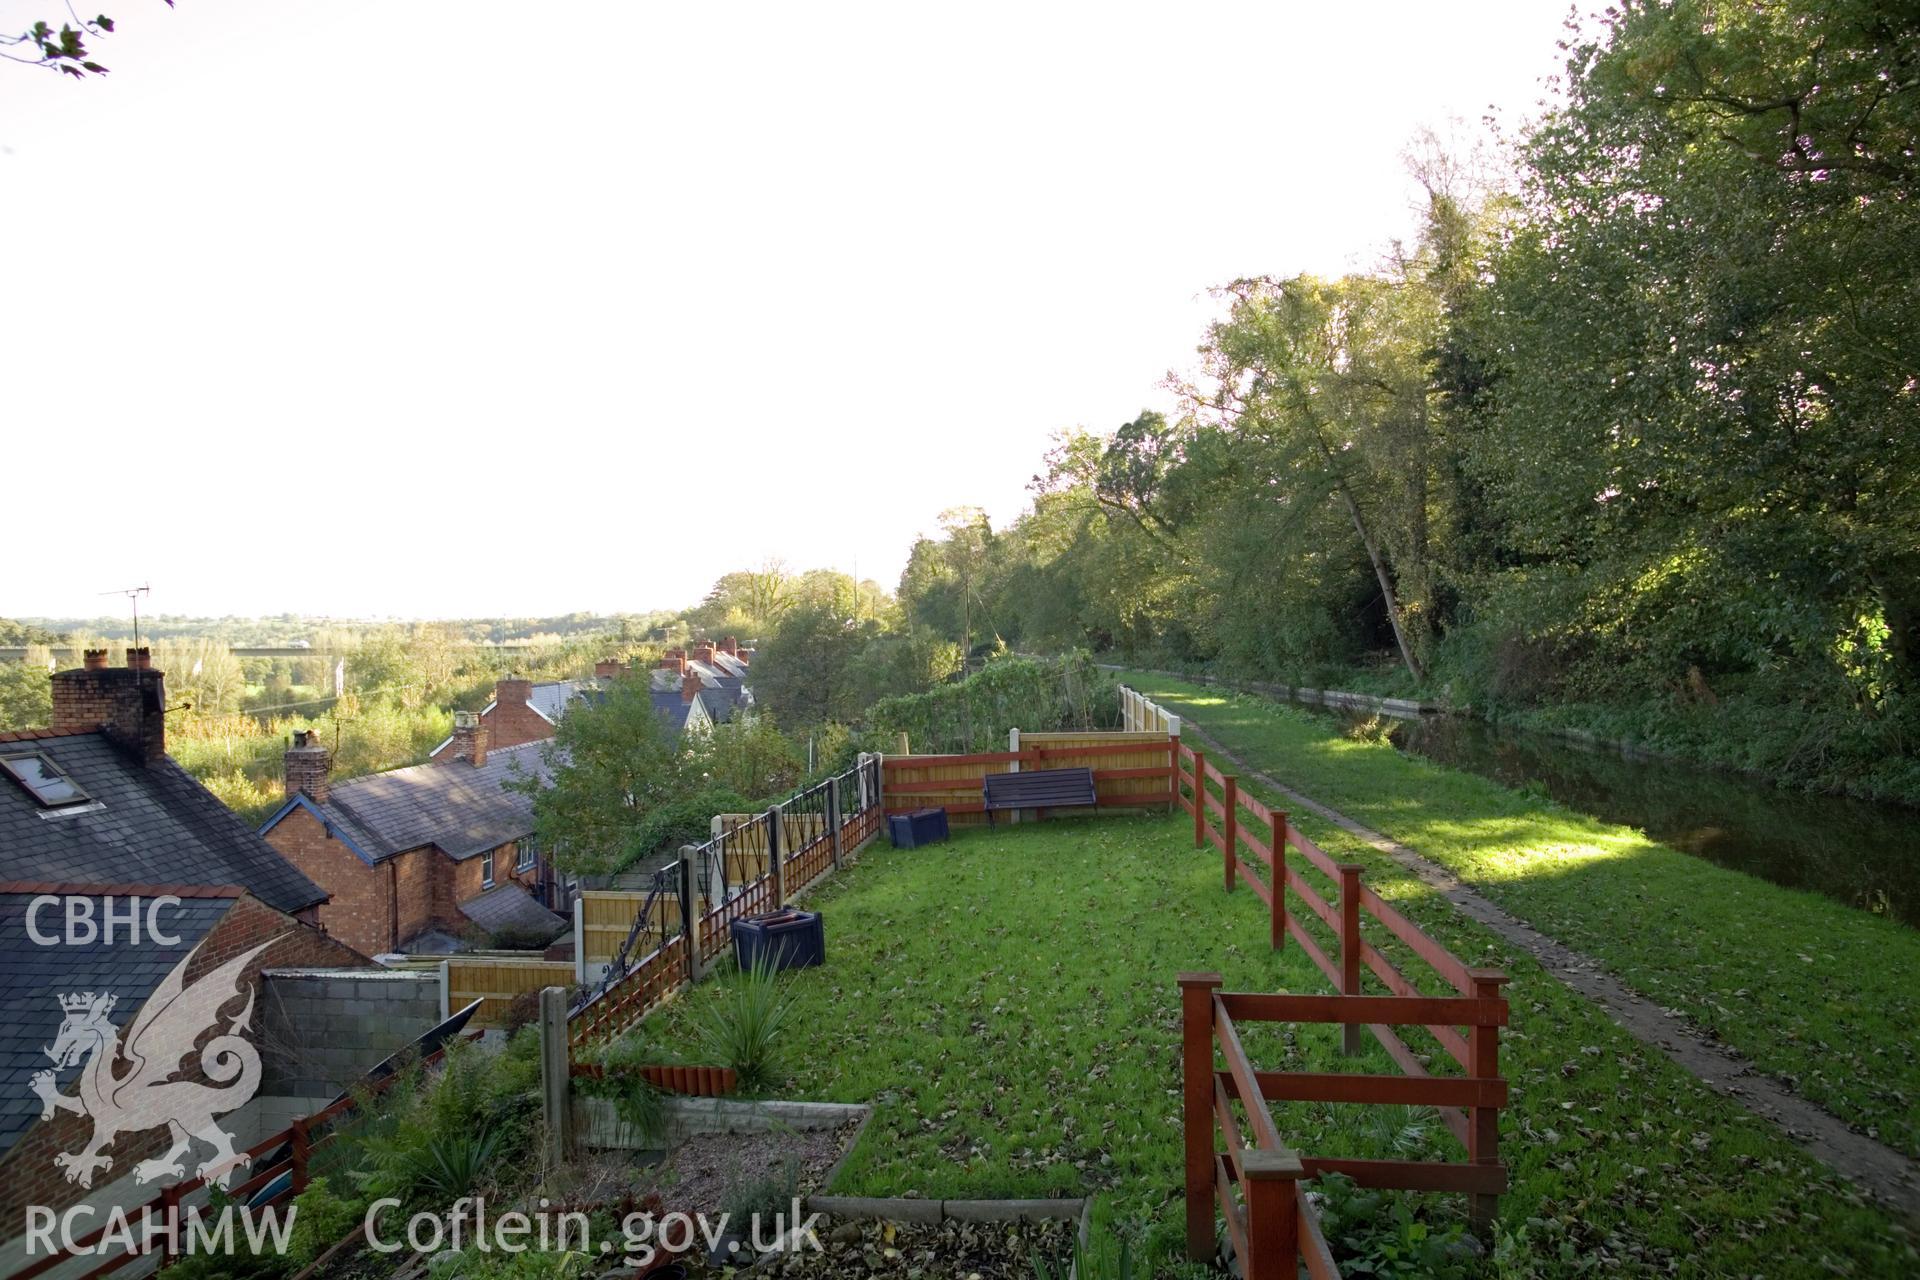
509,906
552,697
37,976
458,808
149,824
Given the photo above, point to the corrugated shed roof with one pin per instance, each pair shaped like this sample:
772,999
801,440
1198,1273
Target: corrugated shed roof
151,824
460,809
37,976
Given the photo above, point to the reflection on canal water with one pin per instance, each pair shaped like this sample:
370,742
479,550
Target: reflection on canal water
1864,854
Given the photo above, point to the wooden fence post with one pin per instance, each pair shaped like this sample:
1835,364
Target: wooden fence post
555,1076
1350,1032
776,852
1483,1123
833,817
1196,1075
1277,927
690,910
170,1216
1230,827
1273,1214
1199,800
302,1149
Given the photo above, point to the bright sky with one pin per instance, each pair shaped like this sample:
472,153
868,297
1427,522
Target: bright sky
465,309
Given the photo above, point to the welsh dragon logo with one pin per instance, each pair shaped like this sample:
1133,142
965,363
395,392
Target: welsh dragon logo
128,1087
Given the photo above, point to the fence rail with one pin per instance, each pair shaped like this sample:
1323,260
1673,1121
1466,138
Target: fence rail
1257,1185
752,864
1121,763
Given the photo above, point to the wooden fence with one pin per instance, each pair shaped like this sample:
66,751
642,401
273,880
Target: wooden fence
495,983
1140,714
1270,1222
606,918
1130,770
747,868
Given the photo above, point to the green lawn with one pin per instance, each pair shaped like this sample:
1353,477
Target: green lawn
1821,995
1007,1003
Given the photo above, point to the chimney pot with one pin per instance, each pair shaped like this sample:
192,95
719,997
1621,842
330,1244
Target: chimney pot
307,767
469,738
94,659
140,659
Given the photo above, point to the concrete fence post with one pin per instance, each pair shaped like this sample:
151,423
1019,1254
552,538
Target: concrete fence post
556,1076
690,911
579,941
834,818
1013,766
777,852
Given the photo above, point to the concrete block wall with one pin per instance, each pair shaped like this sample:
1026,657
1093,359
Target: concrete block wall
321,1029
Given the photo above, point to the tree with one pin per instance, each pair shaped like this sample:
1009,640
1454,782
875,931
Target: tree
749,756
65,50
806,670
26,692
612,763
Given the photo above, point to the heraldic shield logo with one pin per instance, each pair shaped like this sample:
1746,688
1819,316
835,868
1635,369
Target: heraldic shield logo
143,1076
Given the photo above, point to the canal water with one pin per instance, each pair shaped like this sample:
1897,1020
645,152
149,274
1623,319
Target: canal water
1864,854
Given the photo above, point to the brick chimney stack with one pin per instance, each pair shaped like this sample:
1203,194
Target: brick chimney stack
606,668
704,652
690,686
730,646
513,691
745,655
307,766
469,738
129,702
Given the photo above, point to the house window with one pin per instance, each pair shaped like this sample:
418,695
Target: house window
528,855
486,870
44,781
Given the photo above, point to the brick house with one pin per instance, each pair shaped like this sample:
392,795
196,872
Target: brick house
422,859
94,813
525,711
95,799
205,928
696,690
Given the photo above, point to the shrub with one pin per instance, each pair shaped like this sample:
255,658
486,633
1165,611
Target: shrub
744,1023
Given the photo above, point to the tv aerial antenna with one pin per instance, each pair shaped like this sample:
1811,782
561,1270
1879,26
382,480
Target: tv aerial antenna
133,594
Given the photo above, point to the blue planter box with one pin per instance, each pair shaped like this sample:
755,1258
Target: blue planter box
922,826
786,939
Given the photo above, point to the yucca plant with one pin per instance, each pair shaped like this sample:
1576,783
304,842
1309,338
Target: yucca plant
743,1025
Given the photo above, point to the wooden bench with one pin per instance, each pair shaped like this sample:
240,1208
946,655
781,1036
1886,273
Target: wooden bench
1041,789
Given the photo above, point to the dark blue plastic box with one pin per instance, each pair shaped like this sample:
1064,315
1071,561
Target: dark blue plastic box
922,826
788,939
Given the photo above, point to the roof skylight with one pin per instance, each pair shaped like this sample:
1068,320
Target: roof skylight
44,781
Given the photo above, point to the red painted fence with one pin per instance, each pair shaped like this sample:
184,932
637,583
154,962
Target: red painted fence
1269,1221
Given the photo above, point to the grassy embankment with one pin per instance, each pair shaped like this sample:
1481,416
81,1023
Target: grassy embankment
1008,1004
1821,995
